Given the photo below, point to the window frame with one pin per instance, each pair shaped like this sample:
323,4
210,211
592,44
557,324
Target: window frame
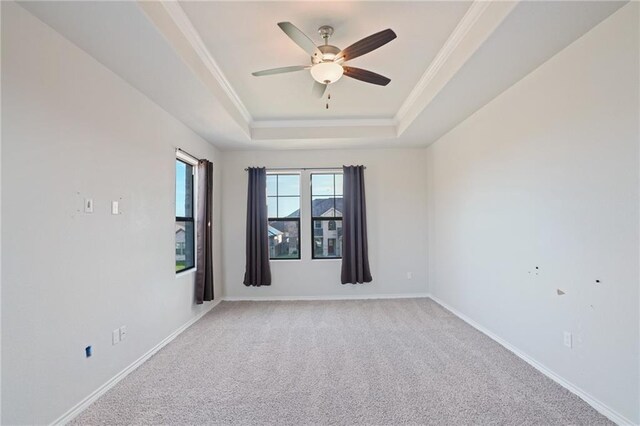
191,218
286,219
321,219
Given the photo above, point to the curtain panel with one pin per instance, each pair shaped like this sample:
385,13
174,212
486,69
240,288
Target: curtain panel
204,246
355,248
257,268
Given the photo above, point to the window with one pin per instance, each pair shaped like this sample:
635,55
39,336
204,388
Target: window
283,205
326,215
185,228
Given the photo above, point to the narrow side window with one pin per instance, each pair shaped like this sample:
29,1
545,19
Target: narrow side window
185,226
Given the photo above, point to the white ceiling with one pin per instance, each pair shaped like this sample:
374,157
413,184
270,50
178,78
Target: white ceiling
194,59
243,37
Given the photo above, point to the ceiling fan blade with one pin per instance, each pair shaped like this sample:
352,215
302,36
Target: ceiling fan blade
281,70
366,45
366,76
318,89
300,39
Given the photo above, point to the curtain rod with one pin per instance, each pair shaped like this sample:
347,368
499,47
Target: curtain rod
301,168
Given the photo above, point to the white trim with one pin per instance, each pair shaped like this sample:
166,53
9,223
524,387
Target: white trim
479,22
345,122
343,129
82,405
185,25
280,171
187,272
476,9
598,405
327,297
189,159
183,156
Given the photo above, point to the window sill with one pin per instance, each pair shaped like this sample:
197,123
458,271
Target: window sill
186,272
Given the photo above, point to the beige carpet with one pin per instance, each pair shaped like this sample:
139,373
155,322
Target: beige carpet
382,362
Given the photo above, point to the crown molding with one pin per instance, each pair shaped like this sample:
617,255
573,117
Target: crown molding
346,122
173,23
324,129
181,19
479,22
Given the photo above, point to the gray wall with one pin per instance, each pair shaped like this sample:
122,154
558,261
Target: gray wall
73,129
547,175
396,208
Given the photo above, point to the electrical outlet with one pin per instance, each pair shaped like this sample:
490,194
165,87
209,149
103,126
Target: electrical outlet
115,336
115,207
123,332
409,275
568,341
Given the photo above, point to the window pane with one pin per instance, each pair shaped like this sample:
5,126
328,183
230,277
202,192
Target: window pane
271,185
322,206
327,238
185,258
288,206
288,185
322,184
272,206
339,206
317,246
339,184
184,189
284,239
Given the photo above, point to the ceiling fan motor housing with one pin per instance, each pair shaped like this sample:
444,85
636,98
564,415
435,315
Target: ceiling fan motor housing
328,53
326,60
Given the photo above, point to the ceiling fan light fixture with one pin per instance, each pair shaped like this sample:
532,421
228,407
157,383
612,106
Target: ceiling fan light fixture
327,72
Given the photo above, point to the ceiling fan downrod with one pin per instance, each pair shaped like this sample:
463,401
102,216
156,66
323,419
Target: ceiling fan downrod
325,31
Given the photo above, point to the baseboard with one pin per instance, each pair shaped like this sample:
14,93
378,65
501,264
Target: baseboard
327,297
82,405
598,405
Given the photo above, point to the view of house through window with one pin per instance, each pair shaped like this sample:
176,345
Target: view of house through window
185,235
326,212
283,205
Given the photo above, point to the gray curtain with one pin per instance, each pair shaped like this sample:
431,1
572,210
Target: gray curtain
204,252
257,269
355,249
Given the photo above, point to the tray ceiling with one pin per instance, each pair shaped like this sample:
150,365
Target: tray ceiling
195,59
243,37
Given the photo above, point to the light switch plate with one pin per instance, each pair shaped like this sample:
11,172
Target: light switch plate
115,336
115,207
88,205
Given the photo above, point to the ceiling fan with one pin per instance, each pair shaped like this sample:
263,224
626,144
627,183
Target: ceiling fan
327,60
